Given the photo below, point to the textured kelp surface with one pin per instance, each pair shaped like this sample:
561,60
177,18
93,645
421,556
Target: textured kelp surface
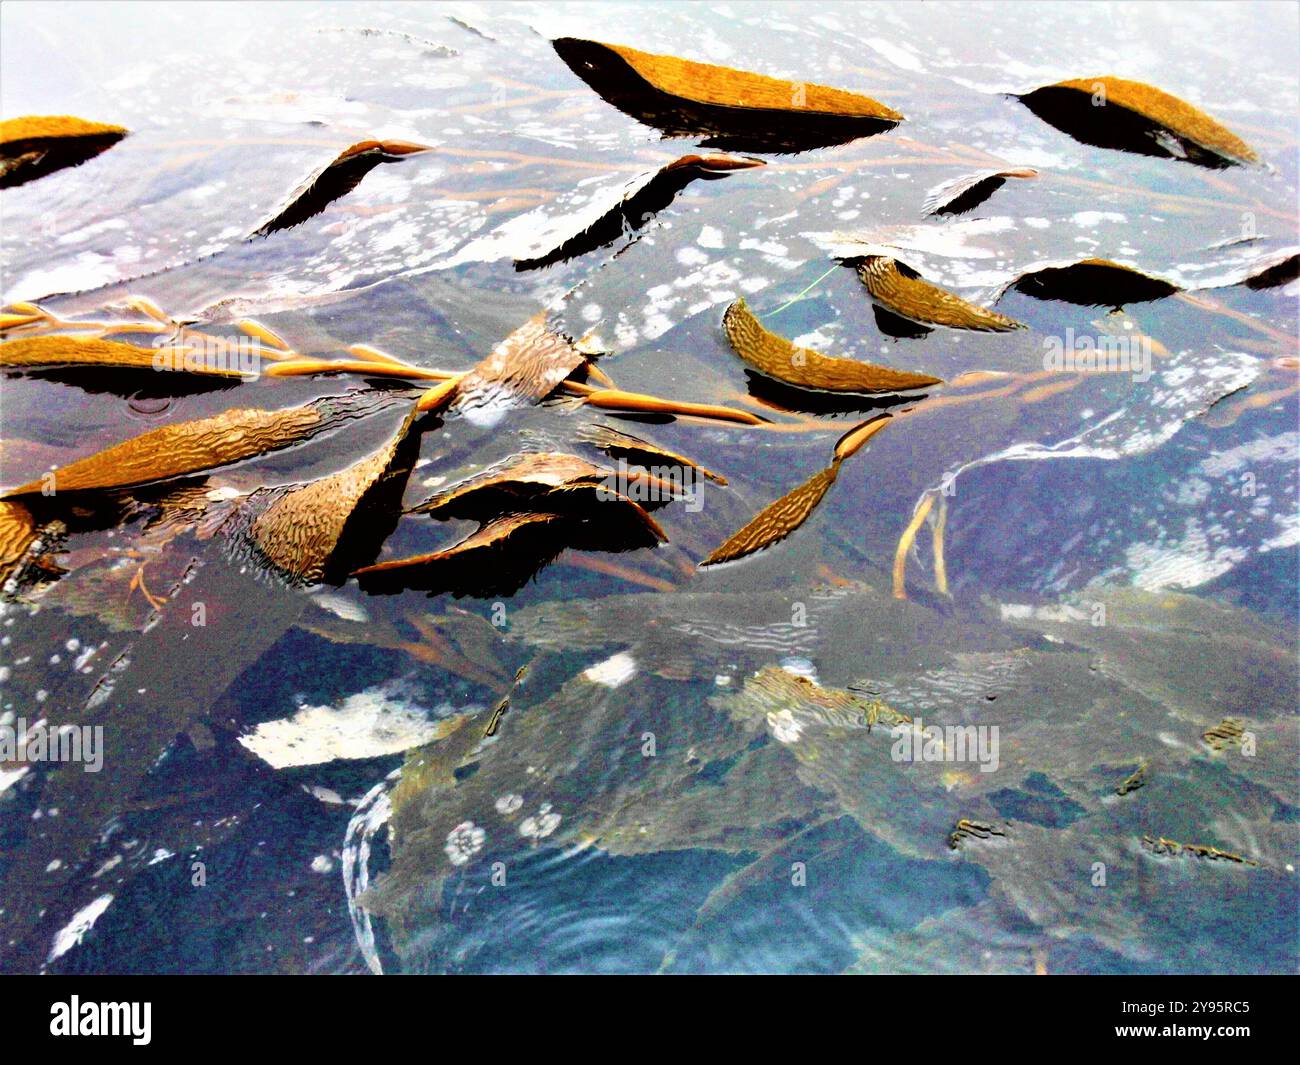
522,727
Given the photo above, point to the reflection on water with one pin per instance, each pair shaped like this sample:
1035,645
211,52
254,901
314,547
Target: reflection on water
1098,569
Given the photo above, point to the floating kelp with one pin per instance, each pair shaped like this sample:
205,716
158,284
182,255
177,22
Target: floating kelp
519,483
1132,116
1092,283
903,292
968,829
778,520
59,352
618,444
779,358
1134,780
190,447
961,194
1160,845
320,531
1275,270
733,108
1227,733
635,204
17,533
34,146
336,179
523,369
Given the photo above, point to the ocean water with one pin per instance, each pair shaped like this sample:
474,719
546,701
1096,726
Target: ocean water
1104,566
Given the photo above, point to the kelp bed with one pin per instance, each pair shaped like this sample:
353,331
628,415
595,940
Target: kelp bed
633,452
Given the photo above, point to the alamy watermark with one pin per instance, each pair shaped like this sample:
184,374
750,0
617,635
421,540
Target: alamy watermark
919,742
653,484
242,355
40,743
1104,354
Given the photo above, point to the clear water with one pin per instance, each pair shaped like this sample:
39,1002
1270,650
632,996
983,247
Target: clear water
744,842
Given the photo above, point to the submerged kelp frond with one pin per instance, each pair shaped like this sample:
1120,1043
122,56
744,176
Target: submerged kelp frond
779,358
901,290
777,520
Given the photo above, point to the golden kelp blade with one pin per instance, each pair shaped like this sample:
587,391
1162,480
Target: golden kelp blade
967,192
34,146
618,444
1092,283
17,533
336,179
523,369
856,438
776,691
682,97
899,289
303,529
494,535
189,447
1133,116
50,352
632,207
777,520
778,358
528,475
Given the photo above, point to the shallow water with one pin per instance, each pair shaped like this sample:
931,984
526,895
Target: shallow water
306,754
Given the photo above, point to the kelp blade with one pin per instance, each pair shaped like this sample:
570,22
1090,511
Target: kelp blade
34,146
735,108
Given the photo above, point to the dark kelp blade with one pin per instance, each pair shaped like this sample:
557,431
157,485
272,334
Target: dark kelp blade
190,447
335,180
777,520
1092,283
741,110
34,146
965,193
632,207
318,531
618,444
776,357
901,291
1135,117
531,475
55,352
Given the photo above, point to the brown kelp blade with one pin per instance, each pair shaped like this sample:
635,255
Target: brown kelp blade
318,531
965,193
736,109
504,553
523,369
336,179
777,520
634,449
190,447
777,357
34,146
901,291
633,206
17,533
1132,116
56,352
530,476
1092,283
